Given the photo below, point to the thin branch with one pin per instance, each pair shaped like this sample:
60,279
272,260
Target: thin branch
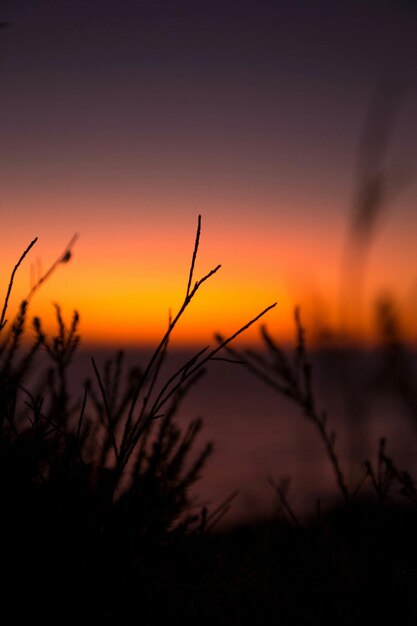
296,385
107,409
211,354
82,411
194,257
182,371
226,360
255,369
203,280
219,512
281,493
158,364
165,338
63,258
9,289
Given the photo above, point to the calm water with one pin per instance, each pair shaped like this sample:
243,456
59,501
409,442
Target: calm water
257,433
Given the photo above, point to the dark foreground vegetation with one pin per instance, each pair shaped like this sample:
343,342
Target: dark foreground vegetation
97,525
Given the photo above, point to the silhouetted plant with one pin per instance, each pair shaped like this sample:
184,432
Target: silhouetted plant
144,463
292,378
103,475
388,476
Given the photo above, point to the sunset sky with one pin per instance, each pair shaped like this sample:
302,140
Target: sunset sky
123,120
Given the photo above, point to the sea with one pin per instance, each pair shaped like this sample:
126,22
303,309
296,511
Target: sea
263,439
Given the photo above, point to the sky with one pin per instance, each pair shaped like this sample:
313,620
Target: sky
124,120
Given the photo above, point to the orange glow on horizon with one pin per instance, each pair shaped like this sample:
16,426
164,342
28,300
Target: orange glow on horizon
124,280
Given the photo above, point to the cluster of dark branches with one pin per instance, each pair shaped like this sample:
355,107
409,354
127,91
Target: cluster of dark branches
291,376
106,473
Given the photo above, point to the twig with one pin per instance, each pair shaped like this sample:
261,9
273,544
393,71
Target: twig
211,354
219,512
296,385
280,491
9,289
107,410
82,411
63,258
194,257
160,347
